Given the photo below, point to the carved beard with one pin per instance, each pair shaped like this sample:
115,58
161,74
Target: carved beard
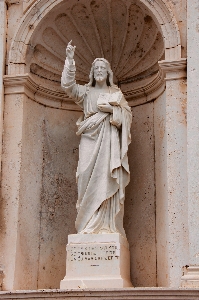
99,78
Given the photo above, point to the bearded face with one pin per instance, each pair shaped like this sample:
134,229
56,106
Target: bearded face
100,71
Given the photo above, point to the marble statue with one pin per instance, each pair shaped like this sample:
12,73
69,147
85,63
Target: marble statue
103,169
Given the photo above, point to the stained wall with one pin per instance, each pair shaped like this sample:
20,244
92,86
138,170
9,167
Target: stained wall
139,218
39,192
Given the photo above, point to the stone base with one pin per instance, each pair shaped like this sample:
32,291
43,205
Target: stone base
105,294
190,279
101,283
97,261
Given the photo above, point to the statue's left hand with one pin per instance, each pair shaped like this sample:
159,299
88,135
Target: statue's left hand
106,108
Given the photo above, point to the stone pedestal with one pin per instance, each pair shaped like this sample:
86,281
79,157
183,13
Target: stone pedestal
97,261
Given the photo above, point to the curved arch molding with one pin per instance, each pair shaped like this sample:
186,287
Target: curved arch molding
145,89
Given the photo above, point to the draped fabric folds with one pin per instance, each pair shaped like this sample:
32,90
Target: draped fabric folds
103,170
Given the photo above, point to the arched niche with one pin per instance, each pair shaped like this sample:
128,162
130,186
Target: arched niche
160,11
35,63
134,35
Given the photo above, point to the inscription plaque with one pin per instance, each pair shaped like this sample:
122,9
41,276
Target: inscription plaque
97,261
92,253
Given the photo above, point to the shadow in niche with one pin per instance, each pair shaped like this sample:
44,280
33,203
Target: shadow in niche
139,209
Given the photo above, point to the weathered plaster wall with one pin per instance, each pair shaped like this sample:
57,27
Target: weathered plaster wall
28,231
42,180
139,218
10,184
59,194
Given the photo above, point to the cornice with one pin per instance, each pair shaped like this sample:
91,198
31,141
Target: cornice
52,96
25,84
146,91
109,294
173,70
190,277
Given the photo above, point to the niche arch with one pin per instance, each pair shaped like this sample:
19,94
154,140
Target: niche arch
139,89
160,10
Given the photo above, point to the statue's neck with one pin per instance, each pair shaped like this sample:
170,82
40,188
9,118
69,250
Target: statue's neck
101,86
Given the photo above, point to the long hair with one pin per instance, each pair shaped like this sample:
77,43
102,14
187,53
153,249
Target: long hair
109,79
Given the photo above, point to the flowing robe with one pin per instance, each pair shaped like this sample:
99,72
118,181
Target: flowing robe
103,170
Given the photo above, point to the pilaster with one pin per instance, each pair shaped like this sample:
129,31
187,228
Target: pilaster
171,177
10,184
20,187
191,275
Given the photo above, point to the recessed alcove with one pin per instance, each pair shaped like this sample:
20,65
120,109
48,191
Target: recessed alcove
123,32
129,36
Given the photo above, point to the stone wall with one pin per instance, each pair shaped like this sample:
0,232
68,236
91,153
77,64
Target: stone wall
47,193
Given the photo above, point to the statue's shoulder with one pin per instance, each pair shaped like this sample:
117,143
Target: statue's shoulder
115,88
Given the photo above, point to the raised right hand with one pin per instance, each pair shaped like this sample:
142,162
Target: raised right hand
70,50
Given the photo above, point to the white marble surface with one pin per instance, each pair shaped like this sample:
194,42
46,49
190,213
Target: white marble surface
103,169
97,261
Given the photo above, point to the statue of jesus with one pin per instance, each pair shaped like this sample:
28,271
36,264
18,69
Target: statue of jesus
103,169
